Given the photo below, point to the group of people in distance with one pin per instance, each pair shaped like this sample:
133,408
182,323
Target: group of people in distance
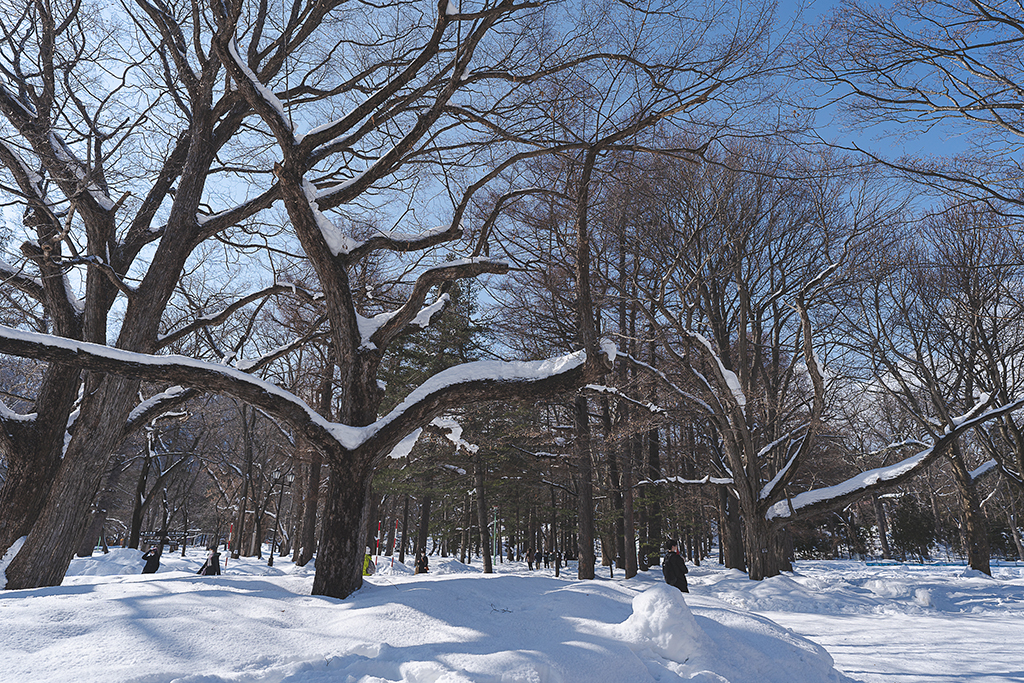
152,558
674,566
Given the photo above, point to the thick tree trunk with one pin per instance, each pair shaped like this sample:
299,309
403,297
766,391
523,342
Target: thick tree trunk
585,498
345,512
51,544
730,531
764,546
975,524
36,457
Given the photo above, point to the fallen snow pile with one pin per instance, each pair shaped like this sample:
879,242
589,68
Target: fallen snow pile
110,624
718,645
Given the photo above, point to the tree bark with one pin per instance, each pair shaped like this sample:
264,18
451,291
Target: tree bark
629,536
481,515
585,497
342,538
424,530
98,515
883,526
975,524
310,503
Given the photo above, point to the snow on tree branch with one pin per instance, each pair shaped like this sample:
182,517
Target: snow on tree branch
830,497
769,489
664,378
648,406
413,310
462,383
706,479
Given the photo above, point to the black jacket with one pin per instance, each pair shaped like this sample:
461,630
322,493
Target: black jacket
211,567
152,558
675,571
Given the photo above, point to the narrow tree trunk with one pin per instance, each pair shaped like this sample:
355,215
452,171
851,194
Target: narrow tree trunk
104,501
554,533
405,531
424,535
585,499
300,489
1012,521
481,515
243,503
139,508
629,537
654,514
883,526
310,503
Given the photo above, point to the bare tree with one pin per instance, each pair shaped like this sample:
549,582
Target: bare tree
322,117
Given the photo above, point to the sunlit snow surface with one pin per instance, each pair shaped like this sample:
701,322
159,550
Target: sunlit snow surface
902,624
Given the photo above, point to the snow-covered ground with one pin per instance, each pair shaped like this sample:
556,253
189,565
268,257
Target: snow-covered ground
896,624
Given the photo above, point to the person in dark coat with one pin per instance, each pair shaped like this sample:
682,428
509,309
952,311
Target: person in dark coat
152,558
212,565
421,563
675,568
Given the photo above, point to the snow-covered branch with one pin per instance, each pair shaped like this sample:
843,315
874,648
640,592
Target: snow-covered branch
404,243
680,481
648,406
831,497
671,385
396,323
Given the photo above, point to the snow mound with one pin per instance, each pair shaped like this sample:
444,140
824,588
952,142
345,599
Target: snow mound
118,561
718,645
662,623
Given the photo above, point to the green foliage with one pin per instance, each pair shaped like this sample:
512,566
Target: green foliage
1000,538
453,338
913,528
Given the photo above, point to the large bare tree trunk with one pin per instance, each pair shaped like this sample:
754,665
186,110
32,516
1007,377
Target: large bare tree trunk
342,538
98,516
764,549
47,552
36,454
975,524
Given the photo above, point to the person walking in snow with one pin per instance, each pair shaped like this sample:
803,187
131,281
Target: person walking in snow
212,565
421,563
152,558
529,559
675,568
